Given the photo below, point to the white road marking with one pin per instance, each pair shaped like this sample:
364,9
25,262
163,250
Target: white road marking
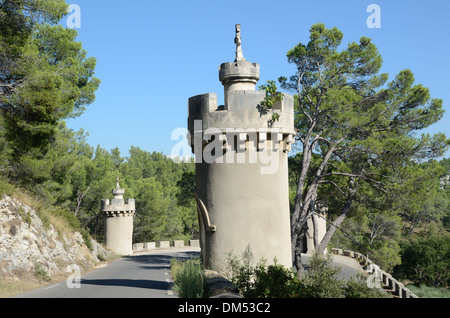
50,286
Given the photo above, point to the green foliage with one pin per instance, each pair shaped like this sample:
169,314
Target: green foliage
45,76
321,280
240,270
87,239
371,233
164,211
274,281
426,260
73,177
359,133
5,187
356,287
189,280
40,273
423,291
272,97
262,280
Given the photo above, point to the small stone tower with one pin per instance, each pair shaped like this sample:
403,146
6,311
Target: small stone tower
241,156
119,215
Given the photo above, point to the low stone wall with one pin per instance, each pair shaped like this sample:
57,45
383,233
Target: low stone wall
219,286
141,247
390,284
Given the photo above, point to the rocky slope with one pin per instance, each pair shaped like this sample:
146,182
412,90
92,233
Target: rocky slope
27,247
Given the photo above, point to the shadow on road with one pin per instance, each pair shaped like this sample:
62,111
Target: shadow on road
161,259
136,283
146,261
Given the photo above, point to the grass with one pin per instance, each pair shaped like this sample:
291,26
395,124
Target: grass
9,288
188,276
423,291
41,274
63,221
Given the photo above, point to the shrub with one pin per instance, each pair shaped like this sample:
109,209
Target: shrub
274,281
356,287
321,280
423,291
241,270
87,238
189,278
5,187
426,261
40,273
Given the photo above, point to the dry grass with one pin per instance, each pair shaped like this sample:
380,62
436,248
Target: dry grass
63,222
9,288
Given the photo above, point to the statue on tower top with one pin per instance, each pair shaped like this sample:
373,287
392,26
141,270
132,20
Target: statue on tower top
117,185
237,40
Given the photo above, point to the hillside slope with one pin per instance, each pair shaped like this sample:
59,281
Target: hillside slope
29,250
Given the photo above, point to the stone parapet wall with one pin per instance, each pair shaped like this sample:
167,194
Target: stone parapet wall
141,247
242,111
121,205
389,283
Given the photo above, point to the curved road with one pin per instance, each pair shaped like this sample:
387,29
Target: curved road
143,275
349,267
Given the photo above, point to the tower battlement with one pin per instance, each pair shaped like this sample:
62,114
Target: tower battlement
117,206
243,110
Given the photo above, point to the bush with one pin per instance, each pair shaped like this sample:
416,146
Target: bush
87,239
321,280
356,287
423,291
241,271
426,261
40,273
5,187
275,281
189,278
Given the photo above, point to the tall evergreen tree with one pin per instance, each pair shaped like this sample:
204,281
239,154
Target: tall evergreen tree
45,75
362,126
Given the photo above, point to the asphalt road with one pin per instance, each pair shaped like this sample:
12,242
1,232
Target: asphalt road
145,275
348,266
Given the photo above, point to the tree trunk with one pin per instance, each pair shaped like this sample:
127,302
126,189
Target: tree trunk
315,224
298,257
296,222
334,226
303,201
80,198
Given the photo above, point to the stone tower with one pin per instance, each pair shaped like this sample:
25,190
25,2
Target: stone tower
241,157
119,215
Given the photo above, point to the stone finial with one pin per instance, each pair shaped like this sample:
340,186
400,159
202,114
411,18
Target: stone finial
117,185
118,192
237,40
241,75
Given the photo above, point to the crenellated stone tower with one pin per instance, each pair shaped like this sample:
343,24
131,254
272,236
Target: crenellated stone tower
119,215
241,157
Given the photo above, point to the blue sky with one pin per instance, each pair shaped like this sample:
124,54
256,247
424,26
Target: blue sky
153,55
